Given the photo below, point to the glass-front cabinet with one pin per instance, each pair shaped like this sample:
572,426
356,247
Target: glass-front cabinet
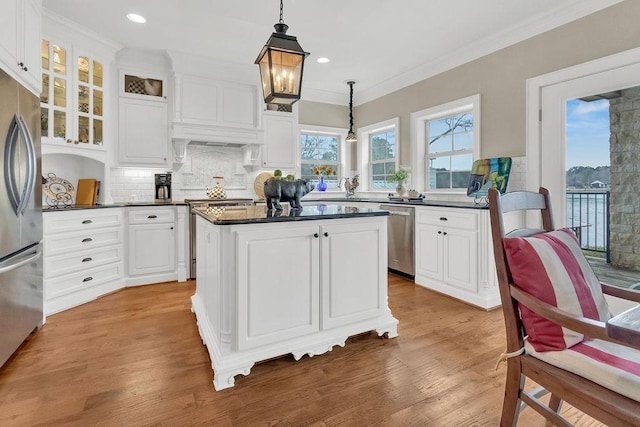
72,99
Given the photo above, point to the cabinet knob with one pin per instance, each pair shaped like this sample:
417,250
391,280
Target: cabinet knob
25,68
87,221
87,279
439,232
87,239
170,228
444,233
326,234
316,235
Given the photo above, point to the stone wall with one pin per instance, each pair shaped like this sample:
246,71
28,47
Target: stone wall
625,179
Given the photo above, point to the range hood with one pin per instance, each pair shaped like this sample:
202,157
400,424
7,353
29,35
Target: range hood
216,135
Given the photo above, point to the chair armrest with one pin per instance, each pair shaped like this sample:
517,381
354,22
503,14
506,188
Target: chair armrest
616,291
589,327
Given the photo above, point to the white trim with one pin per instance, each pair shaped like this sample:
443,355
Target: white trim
363,149
343,152
418,136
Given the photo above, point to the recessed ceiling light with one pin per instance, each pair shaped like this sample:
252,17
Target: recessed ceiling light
323,60
134,17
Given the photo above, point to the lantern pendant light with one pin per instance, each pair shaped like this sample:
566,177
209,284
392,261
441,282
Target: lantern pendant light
351,136
281,63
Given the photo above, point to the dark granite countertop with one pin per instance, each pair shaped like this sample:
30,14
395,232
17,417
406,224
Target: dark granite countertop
231,215
112,205
410,202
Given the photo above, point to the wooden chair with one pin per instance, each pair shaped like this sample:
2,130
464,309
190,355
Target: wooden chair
600,402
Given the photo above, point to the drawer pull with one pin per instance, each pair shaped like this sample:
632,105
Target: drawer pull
152,216
87,259
87,279
87,221
87,239
443,218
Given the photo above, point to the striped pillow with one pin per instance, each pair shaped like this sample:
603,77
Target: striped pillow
551,267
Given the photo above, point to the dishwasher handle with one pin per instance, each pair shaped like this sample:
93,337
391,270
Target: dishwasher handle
398,213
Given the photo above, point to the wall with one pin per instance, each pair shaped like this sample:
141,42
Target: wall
500,78
625,179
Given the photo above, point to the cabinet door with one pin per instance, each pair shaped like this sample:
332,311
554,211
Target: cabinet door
9,19
152,249
278,284
354,273
143,132
30,44
429,255
281,141
460,259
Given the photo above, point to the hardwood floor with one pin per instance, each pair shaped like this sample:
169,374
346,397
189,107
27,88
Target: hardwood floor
135,358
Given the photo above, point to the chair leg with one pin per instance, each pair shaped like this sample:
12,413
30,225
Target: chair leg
555,403
512,387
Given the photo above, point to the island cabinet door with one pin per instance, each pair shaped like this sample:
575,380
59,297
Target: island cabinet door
278,283
353,272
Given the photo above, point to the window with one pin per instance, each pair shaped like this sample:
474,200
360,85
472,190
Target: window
447,143
322,146
378,154
383,158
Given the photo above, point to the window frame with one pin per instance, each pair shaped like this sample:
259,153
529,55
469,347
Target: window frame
364,151
419,151
344,155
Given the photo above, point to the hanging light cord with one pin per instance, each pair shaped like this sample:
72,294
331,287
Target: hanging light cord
281,13
351,107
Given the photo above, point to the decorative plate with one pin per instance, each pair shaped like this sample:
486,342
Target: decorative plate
258,184
58,189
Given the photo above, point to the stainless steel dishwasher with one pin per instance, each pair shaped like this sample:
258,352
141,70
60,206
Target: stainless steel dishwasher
400,239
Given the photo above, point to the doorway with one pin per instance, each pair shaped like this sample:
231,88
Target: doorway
548,97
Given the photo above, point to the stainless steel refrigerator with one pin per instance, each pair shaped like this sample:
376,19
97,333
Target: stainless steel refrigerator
21,287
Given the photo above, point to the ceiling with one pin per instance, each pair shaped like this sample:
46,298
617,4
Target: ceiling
382,44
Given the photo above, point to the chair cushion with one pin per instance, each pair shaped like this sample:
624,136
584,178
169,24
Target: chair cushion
613,366
551,267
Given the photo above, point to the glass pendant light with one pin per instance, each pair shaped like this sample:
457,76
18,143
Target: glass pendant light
351,136
281,63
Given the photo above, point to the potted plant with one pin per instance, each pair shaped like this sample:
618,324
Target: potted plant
400,178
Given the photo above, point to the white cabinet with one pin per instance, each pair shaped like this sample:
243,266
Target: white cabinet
278,284
75,96
83,256
281,141
20,22
151,245
203,101
452,254
300,287
143,133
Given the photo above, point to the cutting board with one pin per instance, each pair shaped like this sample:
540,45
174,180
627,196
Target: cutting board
87,193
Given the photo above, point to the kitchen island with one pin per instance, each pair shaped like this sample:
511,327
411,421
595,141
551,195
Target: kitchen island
270,283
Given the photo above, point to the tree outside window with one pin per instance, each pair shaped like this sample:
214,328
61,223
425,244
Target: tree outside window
319,149
383,158
450,151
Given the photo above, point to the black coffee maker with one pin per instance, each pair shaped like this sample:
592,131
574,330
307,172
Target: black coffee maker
163,187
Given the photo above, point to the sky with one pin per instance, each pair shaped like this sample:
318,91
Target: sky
587,133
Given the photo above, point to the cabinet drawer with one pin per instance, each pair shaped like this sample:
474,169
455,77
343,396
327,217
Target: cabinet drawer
454,218
81,261
58,244
83,219
150,216
63,285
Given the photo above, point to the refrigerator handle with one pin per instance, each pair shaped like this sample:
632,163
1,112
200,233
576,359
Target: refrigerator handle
19,199
21,260
32,168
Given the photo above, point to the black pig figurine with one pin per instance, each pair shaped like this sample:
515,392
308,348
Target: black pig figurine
276,191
